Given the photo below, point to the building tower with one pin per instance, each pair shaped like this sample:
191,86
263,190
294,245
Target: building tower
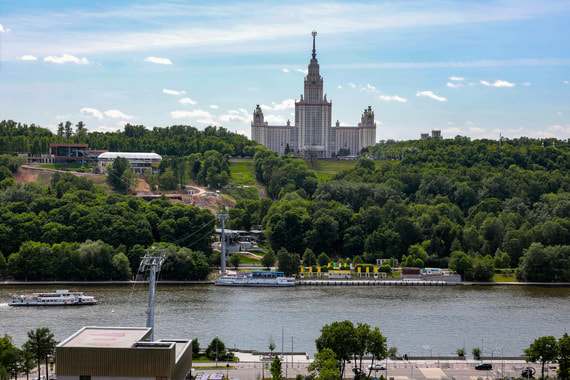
313,114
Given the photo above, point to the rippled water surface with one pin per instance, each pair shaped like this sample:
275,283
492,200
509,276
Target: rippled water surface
417,320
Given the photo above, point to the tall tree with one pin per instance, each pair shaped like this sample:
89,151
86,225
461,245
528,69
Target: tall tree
41,344
544,350
276,369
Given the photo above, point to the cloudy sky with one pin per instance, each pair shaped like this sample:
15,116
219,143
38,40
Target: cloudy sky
468,67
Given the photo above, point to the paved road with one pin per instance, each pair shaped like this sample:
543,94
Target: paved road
397,370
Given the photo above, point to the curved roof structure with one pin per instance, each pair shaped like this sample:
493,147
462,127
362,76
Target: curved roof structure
130,155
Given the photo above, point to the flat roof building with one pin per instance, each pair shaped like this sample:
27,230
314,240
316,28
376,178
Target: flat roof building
140,162
104,353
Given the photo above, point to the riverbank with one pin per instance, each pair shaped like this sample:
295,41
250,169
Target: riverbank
304,282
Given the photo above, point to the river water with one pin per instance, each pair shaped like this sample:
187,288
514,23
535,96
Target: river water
418,320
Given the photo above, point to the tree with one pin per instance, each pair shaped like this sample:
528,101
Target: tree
41,344
80,130
216,350
325,366
564,357
268,260
476,353
323,260
288,262
235,260
338,338
195,348
462,263
271,346
121,267
276,369
120,175
309,258
543,350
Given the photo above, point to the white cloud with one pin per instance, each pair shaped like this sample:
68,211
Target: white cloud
516,130
157,60
352,85
430,94
469,123
394,98
454,85
104,129
370,87
67,117
213,106
565,82
559,113
172,92
456,78
188,101
3,30
454,131
498,83
28,57
275,120
116,114
303,71
233,117
122,123
285,70
191,114
66,58
476,130
339,87
91,112
526,84
559,128
450,123
284,105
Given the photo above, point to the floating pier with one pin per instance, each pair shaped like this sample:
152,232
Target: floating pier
373,283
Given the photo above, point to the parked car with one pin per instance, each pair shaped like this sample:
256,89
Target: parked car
484,366
377,367
42,377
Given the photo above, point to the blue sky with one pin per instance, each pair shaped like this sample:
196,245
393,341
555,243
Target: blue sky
470,68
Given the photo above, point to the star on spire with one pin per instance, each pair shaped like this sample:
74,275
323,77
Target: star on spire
314,34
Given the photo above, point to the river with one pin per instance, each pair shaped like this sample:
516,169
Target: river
418,320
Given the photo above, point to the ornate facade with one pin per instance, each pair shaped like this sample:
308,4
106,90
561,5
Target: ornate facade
313,134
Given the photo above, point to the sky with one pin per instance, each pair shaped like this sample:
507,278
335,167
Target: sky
477,68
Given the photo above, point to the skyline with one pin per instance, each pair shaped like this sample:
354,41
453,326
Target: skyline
466,68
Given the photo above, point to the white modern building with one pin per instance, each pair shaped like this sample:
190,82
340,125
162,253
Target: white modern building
313,134
140,162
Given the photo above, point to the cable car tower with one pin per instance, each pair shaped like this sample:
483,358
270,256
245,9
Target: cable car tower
152,262
223,217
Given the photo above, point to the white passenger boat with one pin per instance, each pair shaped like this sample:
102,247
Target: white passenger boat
59,298
256,278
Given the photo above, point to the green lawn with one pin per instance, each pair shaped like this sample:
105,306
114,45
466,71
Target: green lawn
500,277
242,171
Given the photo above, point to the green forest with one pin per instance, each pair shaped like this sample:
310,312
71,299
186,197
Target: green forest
475,206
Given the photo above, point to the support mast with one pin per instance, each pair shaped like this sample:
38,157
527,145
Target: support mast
223,216
152,262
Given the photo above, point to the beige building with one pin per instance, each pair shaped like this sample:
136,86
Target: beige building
125,353
313,134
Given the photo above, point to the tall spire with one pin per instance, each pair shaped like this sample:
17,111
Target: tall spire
314,34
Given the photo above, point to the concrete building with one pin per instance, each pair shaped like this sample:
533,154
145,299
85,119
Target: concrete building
140,162
313,134
106,353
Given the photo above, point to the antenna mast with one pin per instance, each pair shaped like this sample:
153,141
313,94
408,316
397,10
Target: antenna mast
152,261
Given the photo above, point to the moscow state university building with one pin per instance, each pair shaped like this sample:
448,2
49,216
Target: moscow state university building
313,134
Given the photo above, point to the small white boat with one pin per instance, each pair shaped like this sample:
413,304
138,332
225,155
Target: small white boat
59,298
256,278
